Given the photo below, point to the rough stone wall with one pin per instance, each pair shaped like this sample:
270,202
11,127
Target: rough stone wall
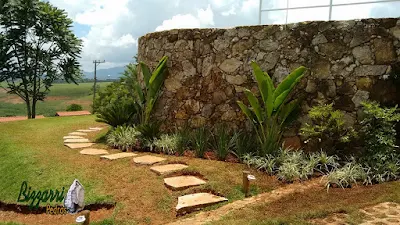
348,62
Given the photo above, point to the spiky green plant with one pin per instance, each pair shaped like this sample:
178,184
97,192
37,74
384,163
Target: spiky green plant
270,117
200,139
223,141
245,144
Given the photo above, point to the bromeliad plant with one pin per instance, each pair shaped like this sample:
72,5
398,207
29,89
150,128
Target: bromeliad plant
270,117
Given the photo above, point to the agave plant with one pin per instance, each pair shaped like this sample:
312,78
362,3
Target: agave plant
147,95
274,112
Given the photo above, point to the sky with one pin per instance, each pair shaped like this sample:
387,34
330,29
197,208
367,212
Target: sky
110,28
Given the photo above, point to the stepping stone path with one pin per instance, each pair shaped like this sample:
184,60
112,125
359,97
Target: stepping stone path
78,145
86,131
182,182
198,200
383,213
73,137
148,160
95,128
94,151
169,168
77,133
118,155
77,140
185,203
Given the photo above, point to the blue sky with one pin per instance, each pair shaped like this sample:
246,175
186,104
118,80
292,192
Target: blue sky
110,29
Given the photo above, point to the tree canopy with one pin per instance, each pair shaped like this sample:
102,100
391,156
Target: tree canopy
37,47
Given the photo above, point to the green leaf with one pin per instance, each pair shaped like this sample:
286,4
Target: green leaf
260,77
255,105
159,69
280,99
269,104
287,83
246,110
146,73
287,110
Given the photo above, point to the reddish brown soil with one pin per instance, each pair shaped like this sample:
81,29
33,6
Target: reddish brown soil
17,118
46,219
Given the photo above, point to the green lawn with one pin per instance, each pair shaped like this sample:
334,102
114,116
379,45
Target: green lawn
33,151
59,97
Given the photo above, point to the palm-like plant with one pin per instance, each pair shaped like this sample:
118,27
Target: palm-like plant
118,113
145,95
272,115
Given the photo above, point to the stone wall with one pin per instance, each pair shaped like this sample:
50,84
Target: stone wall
348,62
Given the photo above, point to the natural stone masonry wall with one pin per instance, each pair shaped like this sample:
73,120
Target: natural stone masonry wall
348,62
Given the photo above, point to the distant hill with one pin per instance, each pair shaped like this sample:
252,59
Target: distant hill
102,74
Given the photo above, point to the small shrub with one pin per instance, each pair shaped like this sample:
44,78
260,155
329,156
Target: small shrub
118,114
168,144
123,138
378,130
200,141
328,130
114,92
74,107
223,142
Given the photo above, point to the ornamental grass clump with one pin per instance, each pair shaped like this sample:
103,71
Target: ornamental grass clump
167,144
350,174
123,138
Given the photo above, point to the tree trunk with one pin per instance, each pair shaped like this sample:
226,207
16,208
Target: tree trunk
34,108
28,108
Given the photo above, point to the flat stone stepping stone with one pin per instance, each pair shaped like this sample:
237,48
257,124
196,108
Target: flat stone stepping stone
169,168
148,160
118,155
77,140
94,151
73,137
182,182
77,133
78,145
198,200
86,131
95,128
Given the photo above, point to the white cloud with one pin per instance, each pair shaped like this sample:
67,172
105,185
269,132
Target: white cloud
231,11
103,12
249,6
205,18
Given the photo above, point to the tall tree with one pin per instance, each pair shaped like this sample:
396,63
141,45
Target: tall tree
37,47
